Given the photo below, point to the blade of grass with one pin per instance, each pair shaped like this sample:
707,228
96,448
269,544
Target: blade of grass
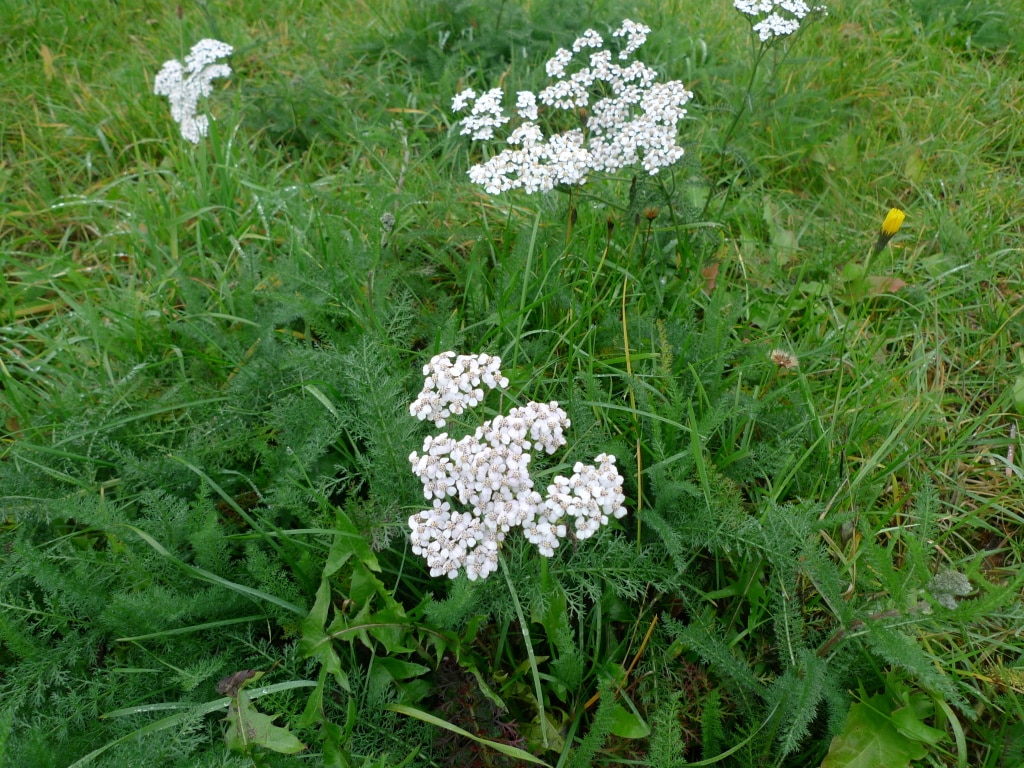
212,578
505,749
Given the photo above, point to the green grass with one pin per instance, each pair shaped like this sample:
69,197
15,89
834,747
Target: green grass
207,355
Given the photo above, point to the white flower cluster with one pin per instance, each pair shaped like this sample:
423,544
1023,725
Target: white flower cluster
184,85
489,471
451,387
486,114
778,18
634,121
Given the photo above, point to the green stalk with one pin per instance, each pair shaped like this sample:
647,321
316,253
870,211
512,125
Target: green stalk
525,628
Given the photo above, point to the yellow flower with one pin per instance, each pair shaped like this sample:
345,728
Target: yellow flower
893,222
891,225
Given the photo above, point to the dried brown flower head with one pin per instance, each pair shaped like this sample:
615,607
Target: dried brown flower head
784,359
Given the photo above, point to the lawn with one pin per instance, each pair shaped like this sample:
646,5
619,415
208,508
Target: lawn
340,431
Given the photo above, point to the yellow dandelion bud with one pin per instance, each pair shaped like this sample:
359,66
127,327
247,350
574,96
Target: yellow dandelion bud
891,225
893,222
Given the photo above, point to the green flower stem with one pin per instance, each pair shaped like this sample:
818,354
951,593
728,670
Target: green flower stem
732,127
525,628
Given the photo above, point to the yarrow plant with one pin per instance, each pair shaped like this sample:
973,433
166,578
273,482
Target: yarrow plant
773,21
488,471
627,117
776,18
185,85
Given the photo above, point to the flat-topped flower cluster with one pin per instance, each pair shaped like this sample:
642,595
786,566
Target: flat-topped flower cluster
488,471
776,18
626,118
185,85
452,385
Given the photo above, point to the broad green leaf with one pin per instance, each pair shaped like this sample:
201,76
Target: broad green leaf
399,669
845,152
189,712
248,727
813,288
914,167
392,629
387,672
316,642
783,239
852,272
552,730
907,722
870,740
1018,394
881,284
353,541
364,586
339,554
313,712
388,627
333,738
628,725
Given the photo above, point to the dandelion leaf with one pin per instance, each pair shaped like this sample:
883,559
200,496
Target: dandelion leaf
628,725
1018,394
908,722
248,727
870,740
317,643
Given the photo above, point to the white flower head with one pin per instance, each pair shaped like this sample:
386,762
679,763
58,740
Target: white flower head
485,115
630,118
452,384
185,85
526,105
589,39
462,99
556,64
635,34
488,471
776,18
